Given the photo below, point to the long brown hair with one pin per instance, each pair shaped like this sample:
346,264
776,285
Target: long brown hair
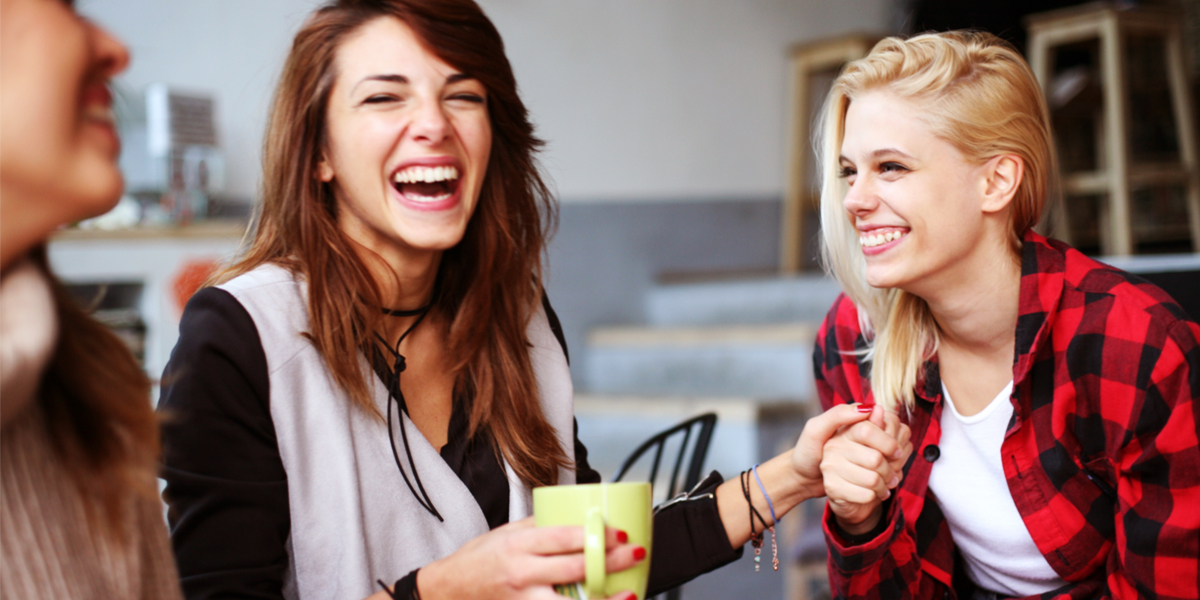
489,284
97,406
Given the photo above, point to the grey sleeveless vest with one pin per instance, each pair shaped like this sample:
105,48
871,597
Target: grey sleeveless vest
353,519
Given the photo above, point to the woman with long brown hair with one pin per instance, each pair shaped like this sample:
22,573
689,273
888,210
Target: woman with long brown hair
372,390
78,502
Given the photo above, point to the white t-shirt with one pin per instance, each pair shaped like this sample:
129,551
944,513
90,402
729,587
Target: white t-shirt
968,481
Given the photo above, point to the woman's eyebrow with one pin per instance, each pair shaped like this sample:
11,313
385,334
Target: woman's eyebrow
882,152
395,78
390,77
890,152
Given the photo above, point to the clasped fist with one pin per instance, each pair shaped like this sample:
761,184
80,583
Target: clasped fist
861,464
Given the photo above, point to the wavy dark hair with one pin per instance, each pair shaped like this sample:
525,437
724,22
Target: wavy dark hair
489,283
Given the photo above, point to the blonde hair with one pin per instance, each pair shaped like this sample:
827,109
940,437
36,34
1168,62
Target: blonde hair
977,93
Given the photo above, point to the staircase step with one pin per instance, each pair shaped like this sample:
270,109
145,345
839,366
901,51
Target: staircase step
758,361
748,301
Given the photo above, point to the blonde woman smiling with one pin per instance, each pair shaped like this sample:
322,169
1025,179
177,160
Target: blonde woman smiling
1052,399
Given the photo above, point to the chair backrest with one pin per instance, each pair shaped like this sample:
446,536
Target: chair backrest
694,435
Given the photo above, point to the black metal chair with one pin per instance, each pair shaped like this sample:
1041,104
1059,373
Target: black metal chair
689,458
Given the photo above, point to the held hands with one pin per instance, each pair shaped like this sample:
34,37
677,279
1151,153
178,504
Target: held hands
519,560
861,465
806,456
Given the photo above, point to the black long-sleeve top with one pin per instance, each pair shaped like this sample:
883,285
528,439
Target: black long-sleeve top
227,488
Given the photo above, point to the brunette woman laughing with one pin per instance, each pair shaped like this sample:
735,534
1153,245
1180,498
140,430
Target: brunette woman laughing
368,396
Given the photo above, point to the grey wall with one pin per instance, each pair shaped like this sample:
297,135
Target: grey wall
606,255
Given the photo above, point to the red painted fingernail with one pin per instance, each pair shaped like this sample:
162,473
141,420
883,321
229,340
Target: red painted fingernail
639,553
863,408
622,537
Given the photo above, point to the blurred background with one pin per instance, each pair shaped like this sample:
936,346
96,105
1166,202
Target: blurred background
683,268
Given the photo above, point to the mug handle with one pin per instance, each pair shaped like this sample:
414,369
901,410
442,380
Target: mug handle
593,553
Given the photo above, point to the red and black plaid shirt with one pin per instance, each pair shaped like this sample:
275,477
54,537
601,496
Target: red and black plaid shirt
1102,457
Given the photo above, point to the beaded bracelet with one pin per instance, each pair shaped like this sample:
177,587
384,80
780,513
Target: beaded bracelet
756,538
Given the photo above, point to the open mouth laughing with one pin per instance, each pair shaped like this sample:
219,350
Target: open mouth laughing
426,184
428,187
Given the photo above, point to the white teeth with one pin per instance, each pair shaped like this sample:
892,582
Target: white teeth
419,198
872,240
426,174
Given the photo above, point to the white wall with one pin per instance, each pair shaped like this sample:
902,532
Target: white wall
666,99
231,48
638,99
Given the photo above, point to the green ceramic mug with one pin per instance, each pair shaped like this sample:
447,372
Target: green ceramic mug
624,506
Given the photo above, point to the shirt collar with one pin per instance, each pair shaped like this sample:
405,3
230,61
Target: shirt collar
1043,267
1043,274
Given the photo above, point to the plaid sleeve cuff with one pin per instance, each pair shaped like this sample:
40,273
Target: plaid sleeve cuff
850,553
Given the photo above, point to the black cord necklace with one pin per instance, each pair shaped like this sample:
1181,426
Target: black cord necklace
395,394
392,312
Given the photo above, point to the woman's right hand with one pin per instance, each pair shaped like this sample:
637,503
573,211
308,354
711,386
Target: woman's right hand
860,465
520,560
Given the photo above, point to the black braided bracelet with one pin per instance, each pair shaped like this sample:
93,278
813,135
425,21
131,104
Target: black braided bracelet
756,539
744,478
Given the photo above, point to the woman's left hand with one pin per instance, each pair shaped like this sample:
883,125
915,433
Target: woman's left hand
806,456
860,466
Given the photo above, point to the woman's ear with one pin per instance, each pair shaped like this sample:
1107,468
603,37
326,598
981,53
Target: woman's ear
1003,175
324,170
